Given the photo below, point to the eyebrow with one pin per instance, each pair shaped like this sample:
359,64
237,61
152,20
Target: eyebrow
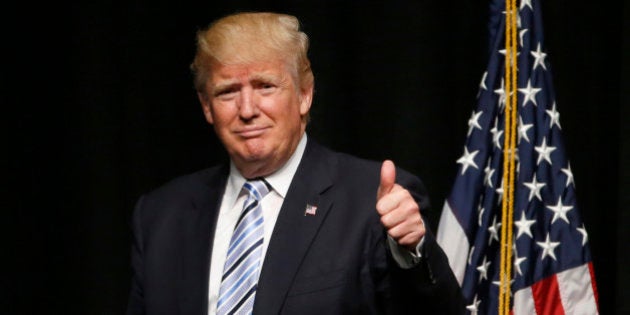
264,77
224,85
256,77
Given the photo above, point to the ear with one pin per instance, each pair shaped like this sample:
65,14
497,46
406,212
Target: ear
306,98
206,106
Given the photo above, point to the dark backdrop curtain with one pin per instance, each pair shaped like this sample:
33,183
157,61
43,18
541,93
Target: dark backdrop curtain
101,108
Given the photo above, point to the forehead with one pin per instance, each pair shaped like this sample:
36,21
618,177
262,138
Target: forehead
221,74
228,71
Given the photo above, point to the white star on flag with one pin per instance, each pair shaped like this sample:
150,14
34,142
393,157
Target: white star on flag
544,152
501,92
539,58
569,174
517,264
520,36
473,308
483,269
494,230
534,188
480,219
524,226
529,93
522,130
548,248
560,211
488,176
496,135
482,84
473,122
582,231
468,159
554,116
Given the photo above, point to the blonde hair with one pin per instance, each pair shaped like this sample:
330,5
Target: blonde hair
247,37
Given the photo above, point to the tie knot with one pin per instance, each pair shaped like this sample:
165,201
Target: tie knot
257,188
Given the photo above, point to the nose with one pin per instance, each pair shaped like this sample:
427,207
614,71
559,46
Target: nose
248,105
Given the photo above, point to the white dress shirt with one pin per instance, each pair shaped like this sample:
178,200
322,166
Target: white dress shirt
231,206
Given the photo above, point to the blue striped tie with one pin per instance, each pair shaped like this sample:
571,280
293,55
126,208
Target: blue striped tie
242,264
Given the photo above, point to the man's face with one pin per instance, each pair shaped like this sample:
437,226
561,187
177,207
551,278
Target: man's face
257,110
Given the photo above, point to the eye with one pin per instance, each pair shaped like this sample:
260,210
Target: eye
266,87
225,93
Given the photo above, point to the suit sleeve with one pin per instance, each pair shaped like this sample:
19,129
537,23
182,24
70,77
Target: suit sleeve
431,279
136,295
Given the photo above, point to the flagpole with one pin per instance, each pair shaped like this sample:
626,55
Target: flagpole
509,157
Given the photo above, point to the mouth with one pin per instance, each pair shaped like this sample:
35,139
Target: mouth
251,132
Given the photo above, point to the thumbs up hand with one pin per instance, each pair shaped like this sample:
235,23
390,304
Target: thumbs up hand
400,214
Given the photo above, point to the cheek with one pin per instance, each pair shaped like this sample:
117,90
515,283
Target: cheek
287,110
222,115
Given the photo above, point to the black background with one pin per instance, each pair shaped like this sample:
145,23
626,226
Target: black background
99,107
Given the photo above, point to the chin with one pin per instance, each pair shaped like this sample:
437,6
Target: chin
255,155
255,150
254,165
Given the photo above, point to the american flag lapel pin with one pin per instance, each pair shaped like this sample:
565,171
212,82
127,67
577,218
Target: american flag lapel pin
310,209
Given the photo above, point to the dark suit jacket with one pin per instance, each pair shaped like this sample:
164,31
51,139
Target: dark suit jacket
333,262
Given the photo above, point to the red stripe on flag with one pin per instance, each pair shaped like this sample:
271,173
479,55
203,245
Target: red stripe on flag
547,296
592,272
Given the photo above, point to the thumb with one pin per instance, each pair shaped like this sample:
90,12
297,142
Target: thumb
388,178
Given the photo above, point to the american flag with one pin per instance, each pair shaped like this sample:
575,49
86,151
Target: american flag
310,209
552,270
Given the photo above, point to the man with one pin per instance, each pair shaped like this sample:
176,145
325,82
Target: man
288,227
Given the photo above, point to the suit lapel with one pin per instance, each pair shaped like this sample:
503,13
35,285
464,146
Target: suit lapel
294,230
197,229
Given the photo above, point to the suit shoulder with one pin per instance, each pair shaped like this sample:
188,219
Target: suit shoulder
170,199
189,183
